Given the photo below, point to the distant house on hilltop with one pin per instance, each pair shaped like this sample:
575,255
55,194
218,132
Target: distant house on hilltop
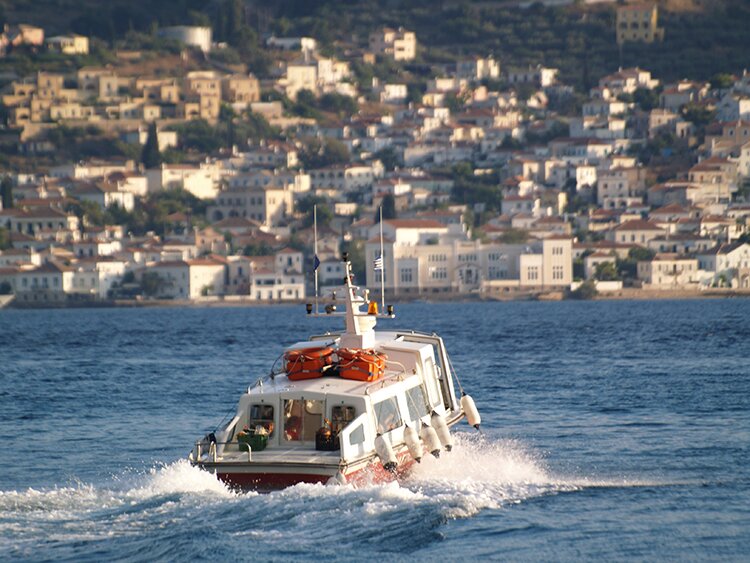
638,22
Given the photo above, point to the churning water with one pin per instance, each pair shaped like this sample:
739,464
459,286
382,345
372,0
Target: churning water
611,431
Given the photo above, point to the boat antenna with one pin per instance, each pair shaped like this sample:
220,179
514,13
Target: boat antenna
382,264
316,260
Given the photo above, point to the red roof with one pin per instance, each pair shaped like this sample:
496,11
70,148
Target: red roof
638,225
414,224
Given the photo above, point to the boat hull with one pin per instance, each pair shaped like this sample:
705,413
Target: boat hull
268,477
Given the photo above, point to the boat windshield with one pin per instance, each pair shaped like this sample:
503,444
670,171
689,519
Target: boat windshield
387,415
416,402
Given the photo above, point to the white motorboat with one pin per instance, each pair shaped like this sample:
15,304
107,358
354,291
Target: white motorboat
352,407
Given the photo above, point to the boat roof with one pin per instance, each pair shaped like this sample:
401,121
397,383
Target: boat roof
384,341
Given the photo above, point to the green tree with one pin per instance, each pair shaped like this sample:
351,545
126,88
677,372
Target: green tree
606,271
389,157
319,154
468,188
151,284
261,248
4,239
388,205
199,135
646,98
150,156
305,105
722,81
235,21
307,206
340,104
356,250
628,268
698,115
6,192
514,236
587,290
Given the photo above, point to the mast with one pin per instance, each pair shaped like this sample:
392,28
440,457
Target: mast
316,260
382,268
359,324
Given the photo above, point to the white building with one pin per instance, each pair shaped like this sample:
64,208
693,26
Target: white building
277,278
199,180
669,271
194,36
433,258
188,279
344,178
165,139
478,68
398,44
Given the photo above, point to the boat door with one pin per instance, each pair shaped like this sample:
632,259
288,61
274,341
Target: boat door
301,414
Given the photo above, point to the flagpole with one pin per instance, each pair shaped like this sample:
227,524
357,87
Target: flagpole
315,254
382,270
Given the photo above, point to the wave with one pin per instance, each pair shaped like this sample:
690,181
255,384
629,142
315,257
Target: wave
192,512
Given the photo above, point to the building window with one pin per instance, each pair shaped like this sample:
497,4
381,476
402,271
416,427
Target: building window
440,273
406,275
533,273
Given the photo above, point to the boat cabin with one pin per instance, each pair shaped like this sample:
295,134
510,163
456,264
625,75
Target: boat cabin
293,413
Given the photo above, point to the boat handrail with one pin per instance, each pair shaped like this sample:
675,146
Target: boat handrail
397,332
383,380
213,448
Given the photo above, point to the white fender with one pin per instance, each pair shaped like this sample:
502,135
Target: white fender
431,440
443,432
470,410
338,479
385,453
412,442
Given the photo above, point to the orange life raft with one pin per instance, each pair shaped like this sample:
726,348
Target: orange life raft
307,363
361,365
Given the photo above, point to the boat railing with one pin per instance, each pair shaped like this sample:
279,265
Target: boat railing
380,383
213,450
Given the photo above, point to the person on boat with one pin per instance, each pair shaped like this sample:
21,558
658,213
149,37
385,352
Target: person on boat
292,428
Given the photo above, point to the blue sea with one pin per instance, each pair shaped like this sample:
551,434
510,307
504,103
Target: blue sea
611,431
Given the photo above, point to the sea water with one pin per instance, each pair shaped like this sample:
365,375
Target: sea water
611,431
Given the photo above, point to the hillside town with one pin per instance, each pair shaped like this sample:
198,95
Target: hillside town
491,181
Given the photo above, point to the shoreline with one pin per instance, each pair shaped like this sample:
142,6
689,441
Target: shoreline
625,294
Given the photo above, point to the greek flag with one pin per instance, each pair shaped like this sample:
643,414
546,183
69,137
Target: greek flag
377,264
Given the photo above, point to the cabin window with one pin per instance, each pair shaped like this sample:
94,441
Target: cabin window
262,415
417,402
387,415
357,435
341,415
302,419
430,377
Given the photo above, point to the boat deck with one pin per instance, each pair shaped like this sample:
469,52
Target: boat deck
283,454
